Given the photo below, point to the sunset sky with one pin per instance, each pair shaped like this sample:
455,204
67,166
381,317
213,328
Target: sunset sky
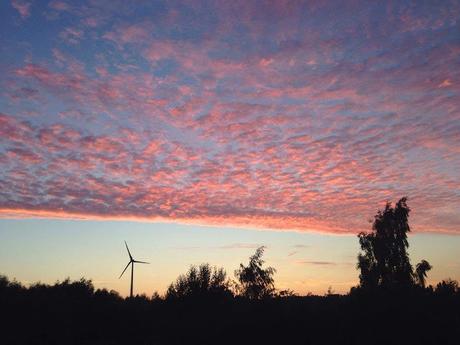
199,130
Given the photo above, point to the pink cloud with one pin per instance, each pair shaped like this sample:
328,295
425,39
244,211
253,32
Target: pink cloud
311,132
23,7
59,5
129,34
71,35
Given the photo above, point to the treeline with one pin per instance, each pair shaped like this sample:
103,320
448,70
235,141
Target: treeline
391,304
74,312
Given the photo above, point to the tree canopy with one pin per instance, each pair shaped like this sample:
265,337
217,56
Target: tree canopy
255,281
420,272
384,260
200,282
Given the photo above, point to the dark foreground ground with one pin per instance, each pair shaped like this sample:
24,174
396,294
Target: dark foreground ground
74,313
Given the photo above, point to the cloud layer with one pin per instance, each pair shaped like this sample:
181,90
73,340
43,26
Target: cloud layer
280,115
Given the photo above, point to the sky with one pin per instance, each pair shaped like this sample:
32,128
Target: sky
199,130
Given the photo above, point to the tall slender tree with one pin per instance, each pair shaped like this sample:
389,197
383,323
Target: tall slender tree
255,281
384,260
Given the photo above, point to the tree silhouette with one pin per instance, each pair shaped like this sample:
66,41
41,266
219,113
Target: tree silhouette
447,287
201,281
256,282
420,272
384,261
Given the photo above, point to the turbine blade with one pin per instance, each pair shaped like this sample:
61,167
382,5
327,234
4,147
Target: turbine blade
129,253
141,262
125,269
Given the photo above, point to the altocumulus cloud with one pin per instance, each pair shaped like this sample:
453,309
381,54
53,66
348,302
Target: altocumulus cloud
291,115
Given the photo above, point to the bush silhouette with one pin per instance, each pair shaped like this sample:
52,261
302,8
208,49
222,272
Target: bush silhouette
203,281
447,287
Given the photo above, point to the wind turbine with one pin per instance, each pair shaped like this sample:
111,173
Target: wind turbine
131,262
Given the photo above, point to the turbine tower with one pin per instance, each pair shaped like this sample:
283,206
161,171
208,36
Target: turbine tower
131,262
